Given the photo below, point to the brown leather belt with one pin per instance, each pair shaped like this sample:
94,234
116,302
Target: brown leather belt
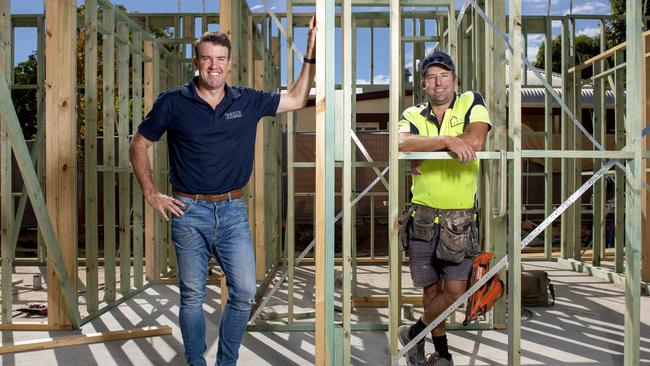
212,197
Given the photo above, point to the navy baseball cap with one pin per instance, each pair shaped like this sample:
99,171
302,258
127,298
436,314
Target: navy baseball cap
437,58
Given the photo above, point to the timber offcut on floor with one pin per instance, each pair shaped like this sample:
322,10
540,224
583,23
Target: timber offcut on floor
584,327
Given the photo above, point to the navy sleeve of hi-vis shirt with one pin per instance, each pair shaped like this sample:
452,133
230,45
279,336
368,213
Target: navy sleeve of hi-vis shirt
406,124
158,119
266,103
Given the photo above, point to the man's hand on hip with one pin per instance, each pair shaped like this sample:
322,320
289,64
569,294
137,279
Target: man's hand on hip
161,203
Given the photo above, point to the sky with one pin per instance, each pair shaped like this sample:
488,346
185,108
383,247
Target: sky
25,38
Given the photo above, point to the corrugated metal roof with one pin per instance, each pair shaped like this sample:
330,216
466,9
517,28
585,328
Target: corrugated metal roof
533,80
535,97
533,91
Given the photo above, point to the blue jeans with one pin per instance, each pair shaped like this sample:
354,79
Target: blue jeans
218,229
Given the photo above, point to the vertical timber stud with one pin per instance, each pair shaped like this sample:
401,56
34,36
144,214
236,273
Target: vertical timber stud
353,157
634,182
248,26
548,137
324,253
152,271
478,29
108,100
165,78
440,26
573,139
569,135
40,112
353,172
6,193
290,231
188,34
346,263
465,39
600,128
394,113
272,174
61,148
619,115
452,33
576,144
497,228
138,203
258,167
230,24
372,53
124,205
565,163
259,226
250,80
645,251
90,157
514,214
603,66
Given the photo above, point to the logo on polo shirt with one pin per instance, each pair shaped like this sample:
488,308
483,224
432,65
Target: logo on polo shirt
455,121
232,115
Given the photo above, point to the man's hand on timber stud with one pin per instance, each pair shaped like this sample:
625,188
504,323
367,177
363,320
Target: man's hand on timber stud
311,38
161,202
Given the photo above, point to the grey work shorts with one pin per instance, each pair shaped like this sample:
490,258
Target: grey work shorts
426,269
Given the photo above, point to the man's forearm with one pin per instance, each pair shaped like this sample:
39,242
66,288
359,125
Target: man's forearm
476,143
303,84
422,143
142,169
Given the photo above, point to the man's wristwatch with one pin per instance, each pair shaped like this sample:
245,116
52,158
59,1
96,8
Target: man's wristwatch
309,60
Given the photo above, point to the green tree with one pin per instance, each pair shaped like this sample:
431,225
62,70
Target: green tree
615,29
25,99
585,48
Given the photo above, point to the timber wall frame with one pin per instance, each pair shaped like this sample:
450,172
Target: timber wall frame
475,40
122,41
123,63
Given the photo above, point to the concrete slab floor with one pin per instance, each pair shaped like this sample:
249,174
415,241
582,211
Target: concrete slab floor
585,327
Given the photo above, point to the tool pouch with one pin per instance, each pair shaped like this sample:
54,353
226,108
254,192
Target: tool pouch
458,235
423,224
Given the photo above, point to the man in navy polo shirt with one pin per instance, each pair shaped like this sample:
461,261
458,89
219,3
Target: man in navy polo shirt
211,137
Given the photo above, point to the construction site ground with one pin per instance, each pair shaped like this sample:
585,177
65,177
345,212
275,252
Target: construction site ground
584,327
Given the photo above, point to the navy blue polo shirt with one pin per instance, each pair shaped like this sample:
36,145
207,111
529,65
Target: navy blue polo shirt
210,150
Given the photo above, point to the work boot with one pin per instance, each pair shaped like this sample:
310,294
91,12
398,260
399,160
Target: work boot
414,356
436,360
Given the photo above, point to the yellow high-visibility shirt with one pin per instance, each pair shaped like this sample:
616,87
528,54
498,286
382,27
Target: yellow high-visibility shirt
445,184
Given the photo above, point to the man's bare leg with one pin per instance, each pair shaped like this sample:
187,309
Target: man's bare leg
437,299
440,301
428,294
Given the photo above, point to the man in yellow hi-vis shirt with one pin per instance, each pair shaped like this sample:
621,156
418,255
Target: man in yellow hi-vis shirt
442,234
